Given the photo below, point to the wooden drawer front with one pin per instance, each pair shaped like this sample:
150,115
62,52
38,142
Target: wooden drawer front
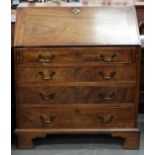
71,117
71,95
121,55
77,74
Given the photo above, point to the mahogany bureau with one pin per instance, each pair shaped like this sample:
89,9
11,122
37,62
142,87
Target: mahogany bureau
77,72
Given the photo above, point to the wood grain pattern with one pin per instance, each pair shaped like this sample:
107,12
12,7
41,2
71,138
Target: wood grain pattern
72,118
51,56
131,136
131,139
54,95
106,73
68,77
59,26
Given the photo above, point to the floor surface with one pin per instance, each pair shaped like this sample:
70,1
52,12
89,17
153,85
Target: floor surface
81,145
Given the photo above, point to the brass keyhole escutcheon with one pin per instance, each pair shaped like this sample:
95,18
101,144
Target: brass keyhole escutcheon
76,11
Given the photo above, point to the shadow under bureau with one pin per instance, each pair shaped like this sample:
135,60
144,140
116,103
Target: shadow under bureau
77,72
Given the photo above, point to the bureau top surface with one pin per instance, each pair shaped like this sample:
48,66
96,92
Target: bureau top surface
76,26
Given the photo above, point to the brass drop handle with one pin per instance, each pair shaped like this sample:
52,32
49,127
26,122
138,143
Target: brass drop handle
51,120
46,77
106,58
107,77
108,97
103,120
47,97
42,59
